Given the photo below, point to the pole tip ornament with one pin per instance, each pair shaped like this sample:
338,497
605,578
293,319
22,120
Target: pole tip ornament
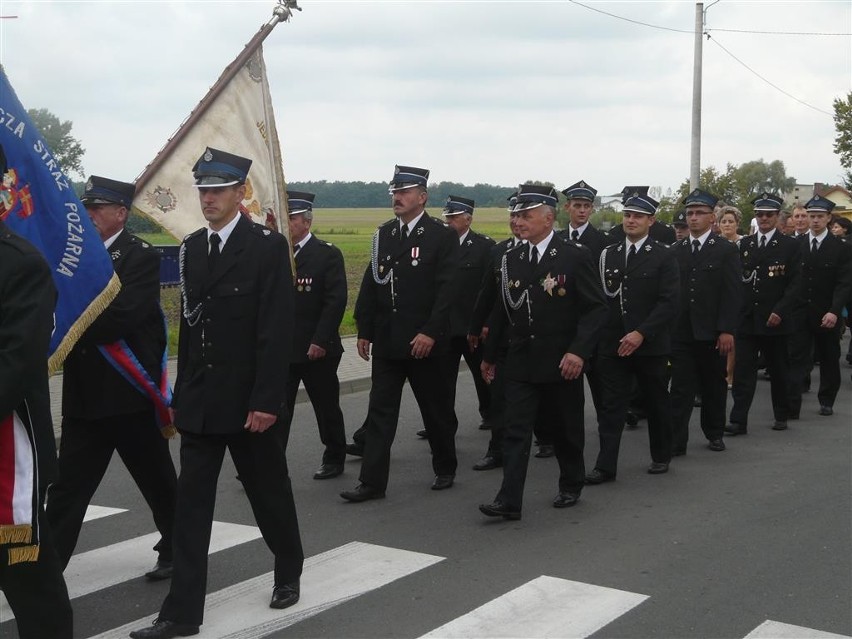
284,10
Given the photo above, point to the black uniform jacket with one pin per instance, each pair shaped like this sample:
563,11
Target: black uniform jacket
561,310
234,359
419,290
591,238
320,299
489,287
27,300
645,297
826,278
771,279
91,387
473,263
710,289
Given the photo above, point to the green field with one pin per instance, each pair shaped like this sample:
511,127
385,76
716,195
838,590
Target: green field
351,230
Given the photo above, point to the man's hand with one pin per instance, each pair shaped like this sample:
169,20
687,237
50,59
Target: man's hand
829,320
571,366
487,370
629,343
363,346
315,352
257,422
725,343
472,342
421,346
774,320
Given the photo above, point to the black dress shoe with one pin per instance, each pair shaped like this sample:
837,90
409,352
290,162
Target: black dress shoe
356,450
658,468
284,596
545,450
826,410
598,476
566,500
499,509
732,430
779,425
716,445
162,570
362,492
165,630
327,471
488,462
422,433
442,482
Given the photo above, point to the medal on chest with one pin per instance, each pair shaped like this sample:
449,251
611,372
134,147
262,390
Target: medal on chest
415,255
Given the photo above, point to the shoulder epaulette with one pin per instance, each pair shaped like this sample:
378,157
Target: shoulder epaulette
260,229
195,233
388,223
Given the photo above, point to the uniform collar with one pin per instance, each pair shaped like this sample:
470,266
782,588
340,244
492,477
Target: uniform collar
413,223
463,237
225,232
110,240
701,239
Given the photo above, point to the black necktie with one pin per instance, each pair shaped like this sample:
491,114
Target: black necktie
575,235
297,249
404,233
213,255
762,241
631,252
534,255
696,246
814,246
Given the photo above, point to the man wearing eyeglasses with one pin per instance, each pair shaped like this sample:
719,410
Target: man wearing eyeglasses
710,294
770,275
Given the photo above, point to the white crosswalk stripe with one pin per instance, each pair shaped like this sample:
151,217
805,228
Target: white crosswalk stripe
777,630
104,567
99,512
331,578
543,607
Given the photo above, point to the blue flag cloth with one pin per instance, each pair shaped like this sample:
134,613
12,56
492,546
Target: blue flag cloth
38,202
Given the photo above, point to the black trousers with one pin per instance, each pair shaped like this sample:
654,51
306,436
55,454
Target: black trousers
616,376
697,366
323,389
563,402
262,467
36,591
825,345
773,348
458,349
428,380
84,455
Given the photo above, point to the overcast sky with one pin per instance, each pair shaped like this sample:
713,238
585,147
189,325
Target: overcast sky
496,92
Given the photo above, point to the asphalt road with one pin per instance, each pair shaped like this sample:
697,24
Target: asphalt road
721,544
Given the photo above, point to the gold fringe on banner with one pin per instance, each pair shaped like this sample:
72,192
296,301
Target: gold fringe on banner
21,554
16,534
95,308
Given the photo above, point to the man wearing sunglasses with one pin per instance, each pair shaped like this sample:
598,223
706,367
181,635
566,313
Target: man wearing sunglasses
771,274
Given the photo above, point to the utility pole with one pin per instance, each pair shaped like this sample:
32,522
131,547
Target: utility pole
695,152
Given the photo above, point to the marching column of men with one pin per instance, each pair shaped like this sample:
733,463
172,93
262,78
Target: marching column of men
551,306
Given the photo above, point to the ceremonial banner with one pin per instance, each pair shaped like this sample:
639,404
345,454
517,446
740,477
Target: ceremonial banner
38,202
235,116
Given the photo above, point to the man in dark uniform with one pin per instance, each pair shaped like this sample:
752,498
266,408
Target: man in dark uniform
102,412
478,335
553,312
771,263
658,232
640,278
319,306
233,356
681,228
580,206
403,315
473,261
33,585
825,290
710,299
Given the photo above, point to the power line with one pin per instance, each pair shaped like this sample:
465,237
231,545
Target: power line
786,33
774,86
644,24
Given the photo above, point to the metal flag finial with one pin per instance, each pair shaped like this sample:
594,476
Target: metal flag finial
284,10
